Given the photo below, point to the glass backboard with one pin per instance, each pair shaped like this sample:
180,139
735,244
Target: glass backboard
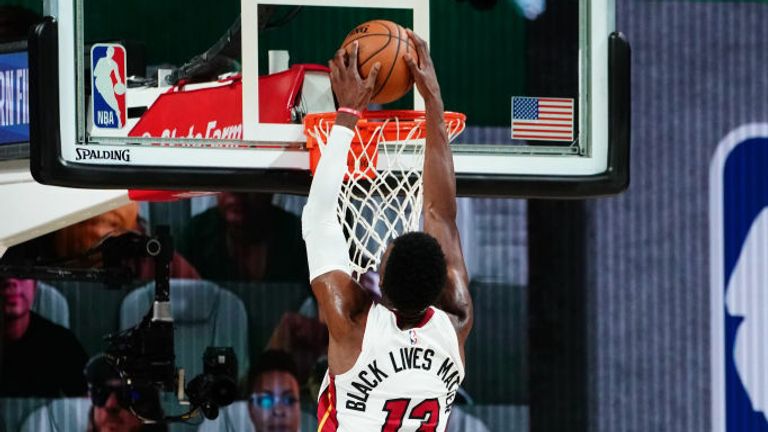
192,95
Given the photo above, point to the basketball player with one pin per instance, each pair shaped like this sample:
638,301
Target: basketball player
102,73
393,366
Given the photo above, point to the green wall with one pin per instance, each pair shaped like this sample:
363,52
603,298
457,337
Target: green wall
174,33
35,5
462,38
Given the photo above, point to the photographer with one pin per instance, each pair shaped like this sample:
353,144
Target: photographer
109,399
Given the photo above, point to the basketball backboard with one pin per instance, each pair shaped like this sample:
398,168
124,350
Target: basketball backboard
31,209
190,95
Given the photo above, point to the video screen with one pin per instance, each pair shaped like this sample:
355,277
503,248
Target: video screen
14,101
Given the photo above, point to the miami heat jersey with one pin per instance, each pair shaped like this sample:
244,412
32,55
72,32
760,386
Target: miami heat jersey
403,380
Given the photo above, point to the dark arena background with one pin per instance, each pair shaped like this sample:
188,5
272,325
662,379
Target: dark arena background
620,313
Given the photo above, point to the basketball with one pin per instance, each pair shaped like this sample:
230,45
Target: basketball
120,88
385,42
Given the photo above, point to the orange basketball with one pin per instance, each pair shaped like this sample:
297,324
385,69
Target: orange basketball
384,42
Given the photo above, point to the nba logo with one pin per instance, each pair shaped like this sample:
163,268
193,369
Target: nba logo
108,85
739,280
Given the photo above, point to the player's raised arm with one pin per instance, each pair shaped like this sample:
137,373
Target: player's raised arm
341,301
440,193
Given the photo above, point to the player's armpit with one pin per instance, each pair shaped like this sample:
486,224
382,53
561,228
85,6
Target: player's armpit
345,306
455,299
343,303
457,303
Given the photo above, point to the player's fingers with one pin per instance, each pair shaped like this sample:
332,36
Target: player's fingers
353,58
339,58
334,69
421,46
374,72
411,62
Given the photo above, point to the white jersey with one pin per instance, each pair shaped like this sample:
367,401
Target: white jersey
403,380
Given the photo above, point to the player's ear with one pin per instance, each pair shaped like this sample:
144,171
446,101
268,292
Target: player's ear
383,264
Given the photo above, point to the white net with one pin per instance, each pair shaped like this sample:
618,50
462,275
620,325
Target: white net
381,197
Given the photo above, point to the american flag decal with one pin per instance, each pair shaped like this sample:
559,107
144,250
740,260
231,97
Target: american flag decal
542,119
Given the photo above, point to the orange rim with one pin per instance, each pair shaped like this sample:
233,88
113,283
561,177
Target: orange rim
372,120
397,125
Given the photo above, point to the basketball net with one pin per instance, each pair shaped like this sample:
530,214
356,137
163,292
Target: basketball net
381,196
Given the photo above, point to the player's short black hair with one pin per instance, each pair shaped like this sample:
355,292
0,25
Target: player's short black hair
270,360
415,272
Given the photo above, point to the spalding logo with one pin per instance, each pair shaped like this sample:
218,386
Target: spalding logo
358,30
115,155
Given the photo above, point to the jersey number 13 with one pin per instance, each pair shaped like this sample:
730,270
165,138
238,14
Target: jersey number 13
428,411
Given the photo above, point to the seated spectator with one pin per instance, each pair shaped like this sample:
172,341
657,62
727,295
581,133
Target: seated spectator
274,393
246,237
39,358
304,338
76,239
109,399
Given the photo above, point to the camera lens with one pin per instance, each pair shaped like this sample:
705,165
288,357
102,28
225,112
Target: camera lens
223,391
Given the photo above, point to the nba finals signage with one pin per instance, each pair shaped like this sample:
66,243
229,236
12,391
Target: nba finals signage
14,95
739,280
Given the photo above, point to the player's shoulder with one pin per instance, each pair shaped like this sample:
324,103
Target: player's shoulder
377,314
381,317
441,316
379,321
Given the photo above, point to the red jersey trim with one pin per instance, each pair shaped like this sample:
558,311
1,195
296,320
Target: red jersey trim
424,320
326,409
427,316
